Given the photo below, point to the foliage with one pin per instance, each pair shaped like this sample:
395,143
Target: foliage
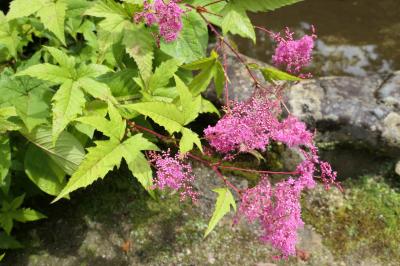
84,84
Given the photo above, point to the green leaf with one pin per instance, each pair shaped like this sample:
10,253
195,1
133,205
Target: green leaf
192,42
121,83
223,206
272,74
190,106
97,163
30,97
2,255
236,21
8,242
188,139
208,107
43,171
164,114
18,8
52,15
219,78
113,128
47,72
61,57
163,74
136,161
97,89
8,36
115,17
68,103
266,5
92,70
140,45
5,161
6,122
202,80
27,215
67,152
102,159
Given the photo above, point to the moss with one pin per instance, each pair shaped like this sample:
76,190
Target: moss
366,222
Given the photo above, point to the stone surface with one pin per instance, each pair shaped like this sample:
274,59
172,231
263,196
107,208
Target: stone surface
356,110
397,168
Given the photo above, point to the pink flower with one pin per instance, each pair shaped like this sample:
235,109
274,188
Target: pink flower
278,209
293,133
167,16
173,173
294,54
256,200
247,126
282,218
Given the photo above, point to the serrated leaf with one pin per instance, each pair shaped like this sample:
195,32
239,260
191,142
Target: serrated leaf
115,17
236,21
163,73
52,15
43,171
67,152
136,161
191,44
223,206
61,57
30,98
18,8
139,45
47,72
97,163
8,36
113,128
201,80
188,139
190,105
97,89
68,103
219,78
92,70
272,74
121,83
164,114
208,107
102,159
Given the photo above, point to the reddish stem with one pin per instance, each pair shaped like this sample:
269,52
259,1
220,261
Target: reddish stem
257,171
215,2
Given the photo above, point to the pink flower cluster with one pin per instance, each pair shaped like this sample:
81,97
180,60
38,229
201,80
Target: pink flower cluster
245,127
294,54
167,16
253,124
278,208
173,173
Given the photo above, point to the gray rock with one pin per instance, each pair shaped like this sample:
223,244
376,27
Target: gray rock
397,168
356,110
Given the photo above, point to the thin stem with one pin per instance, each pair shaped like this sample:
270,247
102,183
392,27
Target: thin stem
238,56
226,181
256,171
215,2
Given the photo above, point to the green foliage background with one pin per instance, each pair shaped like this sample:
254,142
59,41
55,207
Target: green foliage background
73,72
